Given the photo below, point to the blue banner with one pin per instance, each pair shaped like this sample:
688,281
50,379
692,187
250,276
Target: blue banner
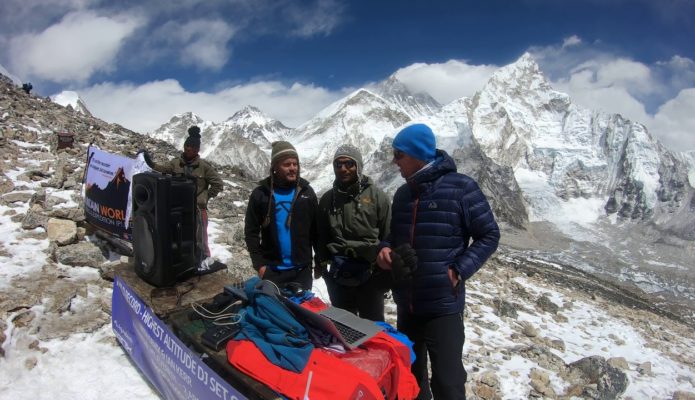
171,367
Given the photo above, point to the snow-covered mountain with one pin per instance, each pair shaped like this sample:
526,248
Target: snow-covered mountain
243,140
542,158
175,130
417,105
574,177
565,157
71,99
363,119
252,124
534,329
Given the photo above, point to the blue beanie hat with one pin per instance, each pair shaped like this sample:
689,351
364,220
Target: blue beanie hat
417,141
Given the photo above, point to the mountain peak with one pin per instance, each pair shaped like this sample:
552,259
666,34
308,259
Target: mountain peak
248,110
71,99
523,74
251,117
527,59
392,83
416,105
186,116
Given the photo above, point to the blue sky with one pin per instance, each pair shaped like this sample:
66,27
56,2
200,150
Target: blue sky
139,62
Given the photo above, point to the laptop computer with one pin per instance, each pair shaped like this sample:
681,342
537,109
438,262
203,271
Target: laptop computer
350,330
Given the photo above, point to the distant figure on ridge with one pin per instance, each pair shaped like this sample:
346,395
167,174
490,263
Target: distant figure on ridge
27,87
280,225
354,216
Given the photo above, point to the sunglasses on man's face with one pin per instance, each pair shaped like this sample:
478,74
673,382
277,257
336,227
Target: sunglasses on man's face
347,164
397,154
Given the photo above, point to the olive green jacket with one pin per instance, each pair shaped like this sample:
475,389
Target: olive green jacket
353,222
208,181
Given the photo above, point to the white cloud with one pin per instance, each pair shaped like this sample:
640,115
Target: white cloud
34,15
73,49
321,19
143,108
585,91
571,41
446,82
675,121
200,43
626,74
680,71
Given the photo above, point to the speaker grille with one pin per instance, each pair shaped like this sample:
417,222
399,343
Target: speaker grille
143,197
164,228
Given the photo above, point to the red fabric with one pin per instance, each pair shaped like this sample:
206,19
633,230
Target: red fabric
204,233
314,304
394,376
397,380
331,377
381,362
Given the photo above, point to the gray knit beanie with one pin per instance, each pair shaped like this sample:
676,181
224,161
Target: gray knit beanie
351,152
281,150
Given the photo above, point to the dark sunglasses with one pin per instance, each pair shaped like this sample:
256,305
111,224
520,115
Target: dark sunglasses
348,164
397,154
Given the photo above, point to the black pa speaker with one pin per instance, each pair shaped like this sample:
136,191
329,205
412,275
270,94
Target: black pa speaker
164,228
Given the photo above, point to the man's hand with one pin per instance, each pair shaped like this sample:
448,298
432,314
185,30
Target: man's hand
383,259
146,156
454,277
320,269
261,271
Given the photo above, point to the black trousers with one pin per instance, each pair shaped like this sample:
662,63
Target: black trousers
301,276
365,300
441,338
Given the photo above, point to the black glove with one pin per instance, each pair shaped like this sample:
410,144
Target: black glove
403,263
148,159
320,269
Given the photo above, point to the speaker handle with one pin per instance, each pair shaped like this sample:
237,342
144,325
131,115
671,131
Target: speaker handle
179,240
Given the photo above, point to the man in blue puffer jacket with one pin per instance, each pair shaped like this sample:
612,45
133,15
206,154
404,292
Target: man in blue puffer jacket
443,226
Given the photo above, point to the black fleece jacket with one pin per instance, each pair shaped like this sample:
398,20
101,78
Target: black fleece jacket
262,242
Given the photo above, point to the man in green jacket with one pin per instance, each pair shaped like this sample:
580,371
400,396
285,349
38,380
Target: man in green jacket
208,182
354,216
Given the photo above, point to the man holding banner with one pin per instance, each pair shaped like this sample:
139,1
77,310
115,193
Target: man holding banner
208,182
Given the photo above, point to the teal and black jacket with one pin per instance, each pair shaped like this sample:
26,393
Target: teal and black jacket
262,239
